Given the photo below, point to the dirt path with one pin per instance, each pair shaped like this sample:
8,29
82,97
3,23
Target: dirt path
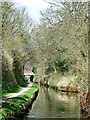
19,93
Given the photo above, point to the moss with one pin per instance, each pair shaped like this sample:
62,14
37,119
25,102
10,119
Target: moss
18,68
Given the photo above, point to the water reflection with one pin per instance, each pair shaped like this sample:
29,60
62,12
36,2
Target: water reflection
52,104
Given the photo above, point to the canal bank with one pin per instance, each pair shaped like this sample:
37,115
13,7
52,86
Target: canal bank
73,90
16,107
69,85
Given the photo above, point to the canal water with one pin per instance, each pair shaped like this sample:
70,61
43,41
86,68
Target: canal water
52,104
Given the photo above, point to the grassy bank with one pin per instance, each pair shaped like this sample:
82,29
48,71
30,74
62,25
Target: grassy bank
14,105
8,88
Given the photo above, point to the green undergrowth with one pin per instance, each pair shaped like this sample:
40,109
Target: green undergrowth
0,116
24,83
14,104
9,88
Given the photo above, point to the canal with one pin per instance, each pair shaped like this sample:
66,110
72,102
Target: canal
52,104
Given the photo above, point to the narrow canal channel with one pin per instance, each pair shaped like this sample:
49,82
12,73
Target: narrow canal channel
52,104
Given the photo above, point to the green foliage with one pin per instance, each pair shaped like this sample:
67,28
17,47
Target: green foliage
0,116
24,83
35,85
4,113
12,105
9,88
62,66
34,69
49,69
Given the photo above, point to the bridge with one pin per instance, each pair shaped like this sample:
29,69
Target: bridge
29,75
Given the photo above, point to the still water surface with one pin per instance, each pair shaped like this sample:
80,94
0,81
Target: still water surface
52,104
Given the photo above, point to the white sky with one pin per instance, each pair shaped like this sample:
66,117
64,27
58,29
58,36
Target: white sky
33,7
